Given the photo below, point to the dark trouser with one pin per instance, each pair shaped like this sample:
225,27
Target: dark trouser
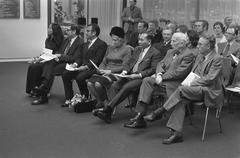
127,87
80,77
51,69
34,74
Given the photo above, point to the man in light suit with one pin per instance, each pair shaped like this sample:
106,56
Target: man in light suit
68,53
130,17
206,88
94,49
171,71
141,64
227,48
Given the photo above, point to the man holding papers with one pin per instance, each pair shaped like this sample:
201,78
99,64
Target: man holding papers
206,88
69,52
171,71
141,64
94,49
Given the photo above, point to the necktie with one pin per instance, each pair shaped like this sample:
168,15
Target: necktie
135,68
225,53
67,47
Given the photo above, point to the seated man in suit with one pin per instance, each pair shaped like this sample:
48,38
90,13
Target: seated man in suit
206,88
171,71
141,64
230,47
94,49
165,45
68,53
142,27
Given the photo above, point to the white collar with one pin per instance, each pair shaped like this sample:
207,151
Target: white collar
92,41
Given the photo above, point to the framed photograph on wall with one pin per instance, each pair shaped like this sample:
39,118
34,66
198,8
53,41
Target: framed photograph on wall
9,9
31,9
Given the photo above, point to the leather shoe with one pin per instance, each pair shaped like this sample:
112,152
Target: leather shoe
105,114
152,117
139,123
40,100
40,90
176,137
95,111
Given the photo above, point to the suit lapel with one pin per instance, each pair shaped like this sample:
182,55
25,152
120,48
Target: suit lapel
205,63
147,54
73,46
198,59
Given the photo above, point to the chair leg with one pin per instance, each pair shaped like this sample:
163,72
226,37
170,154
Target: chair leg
205,124
189,116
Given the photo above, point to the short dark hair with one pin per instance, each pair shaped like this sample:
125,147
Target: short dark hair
205,24
75,28
211,39
182,28
193,38
149,37
95,28
145,24
155,22
220,24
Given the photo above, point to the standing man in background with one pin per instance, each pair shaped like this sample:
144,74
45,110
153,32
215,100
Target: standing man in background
130,17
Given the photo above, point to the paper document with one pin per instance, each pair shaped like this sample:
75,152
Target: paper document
123,76
235,89
47,55
235,59
189,79
48,51
95,65
69,67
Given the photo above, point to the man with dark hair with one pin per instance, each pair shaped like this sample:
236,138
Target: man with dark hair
141,64
68,53
142,27
207,87
94,49
130,17
201,27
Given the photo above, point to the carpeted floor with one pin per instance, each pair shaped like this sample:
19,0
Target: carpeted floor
49,131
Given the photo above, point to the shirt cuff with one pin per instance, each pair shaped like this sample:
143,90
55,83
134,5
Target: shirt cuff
140,75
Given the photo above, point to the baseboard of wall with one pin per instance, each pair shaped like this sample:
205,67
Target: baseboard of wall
14,60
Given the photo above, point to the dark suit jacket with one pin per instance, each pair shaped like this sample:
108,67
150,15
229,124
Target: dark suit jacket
175,70
162,48
96,53
210,79
74,51
148,64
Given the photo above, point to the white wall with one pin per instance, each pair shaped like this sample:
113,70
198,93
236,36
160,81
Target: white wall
23,38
